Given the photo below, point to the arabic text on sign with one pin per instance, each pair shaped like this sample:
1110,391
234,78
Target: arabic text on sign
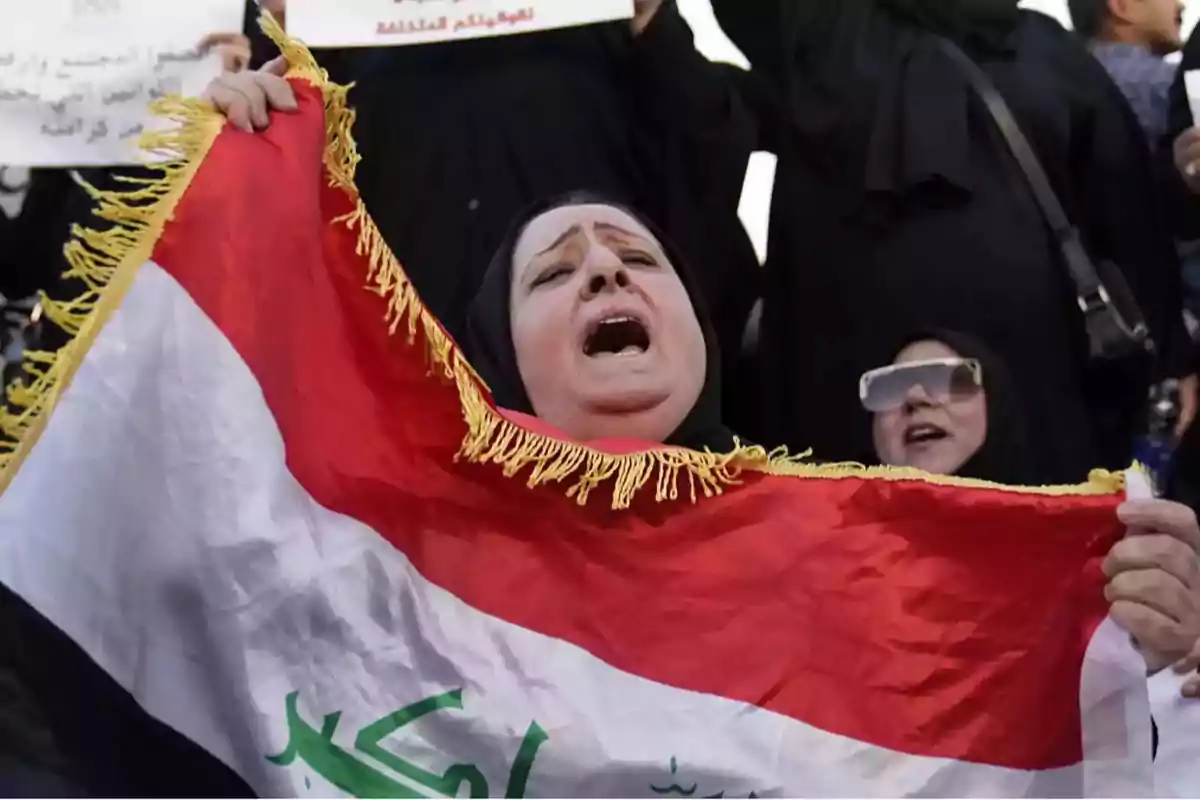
358,23
77,77
73,103
443,23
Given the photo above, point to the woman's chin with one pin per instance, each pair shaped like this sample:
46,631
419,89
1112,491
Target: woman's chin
645,415
635,399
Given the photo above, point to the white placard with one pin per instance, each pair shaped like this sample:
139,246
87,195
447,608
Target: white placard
355,23
77,76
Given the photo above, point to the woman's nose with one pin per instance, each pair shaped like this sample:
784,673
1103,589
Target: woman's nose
917,397
605,273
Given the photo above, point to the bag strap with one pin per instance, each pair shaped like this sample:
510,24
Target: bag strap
1089,289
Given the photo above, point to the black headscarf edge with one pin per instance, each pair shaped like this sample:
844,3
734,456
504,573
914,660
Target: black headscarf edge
489,347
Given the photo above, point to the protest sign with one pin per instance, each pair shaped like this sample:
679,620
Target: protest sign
77,76
353,23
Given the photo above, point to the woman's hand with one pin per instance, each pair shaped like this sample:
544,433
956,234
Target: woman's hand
643,13
234,49
248,98
1154,580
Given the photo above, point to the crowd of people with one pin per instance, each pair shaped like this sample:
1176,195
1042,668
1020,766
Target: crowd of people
566,203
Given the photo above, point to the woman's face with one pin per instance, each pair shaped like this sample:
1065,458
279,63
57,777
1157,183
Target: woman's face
606,338
935,434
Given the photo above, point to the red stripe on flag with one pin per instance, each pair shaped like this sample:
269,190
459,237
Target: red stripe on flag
931,620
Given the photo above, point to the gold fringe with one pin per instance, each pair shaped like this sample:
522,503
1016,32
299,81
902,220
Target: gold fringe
107,261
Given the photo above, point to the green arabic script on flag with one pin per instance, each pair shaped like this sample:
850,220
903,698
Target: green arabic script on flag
349,773
353,773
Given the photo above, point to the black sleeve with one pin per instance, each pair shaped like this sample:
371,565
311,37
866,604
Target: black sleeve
759,31
670,68
705,136
694,104
804,57
778,35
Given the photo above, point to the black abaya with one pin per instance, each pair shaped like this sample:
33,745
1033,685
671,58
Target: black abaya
897,208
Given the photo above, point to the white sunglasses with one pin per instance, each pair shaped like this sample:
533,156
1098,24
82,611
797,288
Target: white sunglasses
943,379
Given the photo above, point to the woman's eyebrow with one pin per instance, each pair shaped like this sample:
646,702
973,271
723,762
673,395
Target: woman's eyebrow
567,234
608,226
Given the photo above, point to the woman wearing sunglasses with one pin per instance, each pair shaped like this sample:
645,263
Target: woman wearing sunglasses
947,405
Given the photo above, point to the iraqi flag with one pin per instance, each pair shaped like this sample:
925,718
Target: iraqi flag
264,532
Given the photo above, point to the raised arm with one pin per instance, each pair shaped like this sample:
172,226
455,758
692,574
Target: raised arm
801,52
690,100
777,36
704,136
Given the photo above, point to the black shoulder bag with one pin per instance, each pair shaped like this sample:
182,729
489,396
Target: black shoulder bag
1116,328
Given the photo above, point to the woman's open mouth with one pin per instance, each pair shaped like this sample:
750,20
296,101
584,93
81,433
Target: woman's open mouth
924,433
618,335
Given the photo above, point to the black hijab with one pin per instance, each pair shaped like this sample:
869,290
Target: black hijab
489,343
1005,456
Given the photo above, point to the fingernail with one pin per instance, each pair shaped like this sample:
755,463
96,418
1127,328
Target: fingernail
1190,170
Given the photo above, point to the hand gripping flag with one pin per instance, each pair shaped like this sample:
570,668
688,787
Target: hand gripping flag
262,520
